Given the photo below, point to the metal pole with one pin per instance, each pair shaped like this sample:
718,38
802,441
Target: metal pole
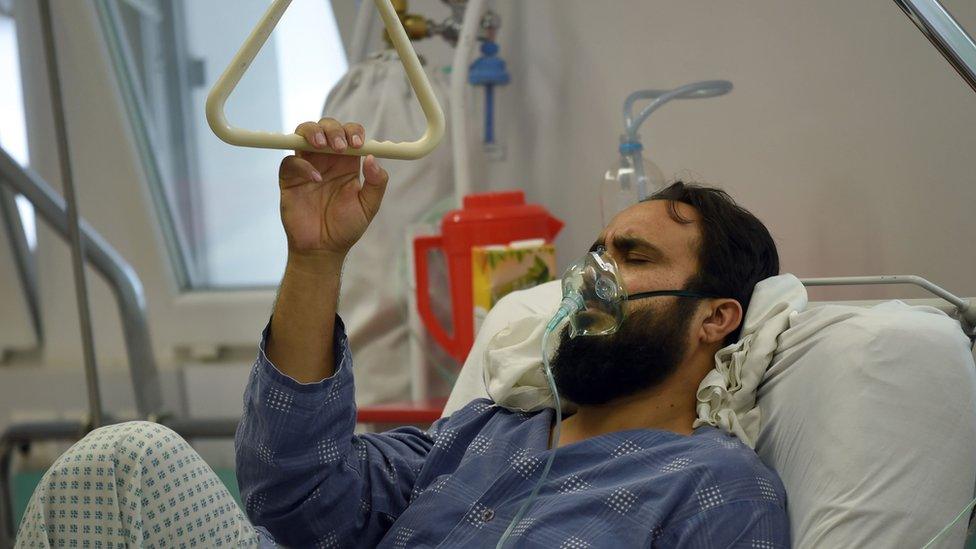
966,310
26,267
74,230
945,33
121,278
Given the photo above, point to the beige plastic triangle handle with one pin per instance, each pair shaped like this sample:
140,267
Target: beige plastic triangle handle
269,140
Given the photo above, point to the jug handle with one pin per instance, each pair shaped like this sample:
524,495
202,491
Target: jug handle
421,246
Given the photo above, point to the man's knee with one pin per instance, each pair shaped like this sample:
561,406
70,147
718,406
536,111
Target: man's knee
129,444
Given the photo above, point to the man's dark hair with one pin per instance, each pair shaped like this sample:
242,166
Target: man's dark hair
736,250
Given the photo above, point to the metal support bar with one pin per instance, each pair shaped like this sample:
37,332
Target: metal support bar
74,230
119,275
945,33
966,310
24,259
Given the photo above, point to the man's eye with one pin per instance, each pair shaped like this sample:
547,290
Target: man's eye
632,259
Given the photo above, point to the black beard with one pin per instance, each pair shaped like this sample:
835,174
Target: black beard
645,351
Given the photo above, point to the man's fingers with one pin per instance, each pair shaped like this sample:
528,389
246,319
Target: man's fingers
334,133
374,185
329,133
294,167
355,134
312,133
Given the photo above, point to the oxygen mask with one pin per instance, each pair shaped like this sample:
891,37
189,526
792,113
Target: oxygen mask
593,284
594,294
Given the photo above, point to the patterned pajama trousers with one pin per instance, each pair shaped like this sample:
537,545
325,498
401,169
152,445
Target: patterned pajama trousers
134,484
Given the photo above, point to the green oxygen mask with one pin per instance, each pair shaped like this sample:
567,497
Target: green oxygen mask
594,293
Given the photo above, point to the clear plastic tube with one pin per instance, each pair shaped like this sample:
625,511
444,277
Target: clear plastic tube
569,305
948,527
631,143
695,90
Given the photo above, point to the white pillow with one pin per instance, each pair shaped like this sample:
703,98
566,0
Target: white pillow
539,300
869,417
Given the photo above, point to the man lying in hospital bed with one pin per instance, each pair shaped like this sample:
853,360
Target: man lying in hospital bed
657,452
631,470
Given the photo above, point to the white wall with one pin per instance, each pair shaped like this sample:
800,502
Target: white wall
847,133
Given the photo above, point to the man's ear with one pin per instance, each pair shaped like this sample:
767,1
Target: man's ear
723,317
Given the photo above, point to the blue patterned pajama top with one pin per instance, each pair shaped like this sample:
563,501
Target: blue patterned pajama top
310,481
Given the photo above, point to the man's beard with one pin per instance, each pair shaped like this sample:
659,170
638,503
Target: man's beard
645,351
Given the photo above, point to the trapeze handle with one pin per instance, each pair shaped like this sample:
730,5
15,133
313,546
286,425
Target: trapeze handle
409,150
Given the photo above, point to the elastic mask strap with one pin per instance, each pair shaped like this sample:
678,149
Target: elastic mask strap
676,293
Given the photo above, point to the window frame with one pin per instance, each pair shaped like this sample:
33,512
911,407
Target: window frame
177,242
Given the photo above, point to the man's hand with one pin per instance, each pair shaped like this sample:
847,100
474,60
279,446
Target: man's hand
324,207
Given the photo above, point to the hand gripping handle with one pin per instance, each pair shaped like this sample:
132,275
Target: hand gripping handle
410,150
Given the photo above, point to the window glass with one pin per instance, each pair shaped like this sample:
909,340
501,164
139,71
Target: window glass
13,127
218,203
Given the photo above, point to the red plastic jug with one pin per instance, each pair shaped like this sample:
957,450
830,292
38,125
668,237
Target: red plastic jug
488,218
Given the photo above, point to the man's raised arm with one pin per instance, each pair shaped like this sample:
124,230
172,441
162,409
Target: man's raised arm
325,210
303,473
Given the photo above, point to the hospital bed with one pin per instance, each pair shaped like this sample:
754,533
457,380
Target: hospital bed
868,415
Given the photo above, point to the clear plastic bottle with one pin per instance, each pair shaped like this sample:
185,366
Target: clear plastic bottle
633,178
